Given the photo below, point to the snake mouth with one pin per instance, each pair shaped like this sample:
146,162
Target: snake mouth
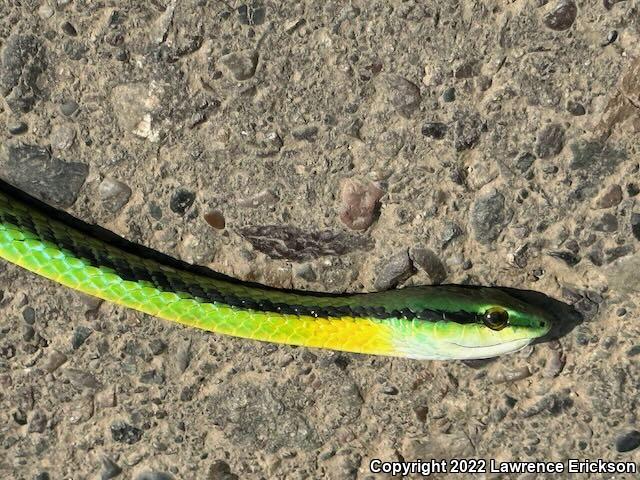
457,351
493,350
497,344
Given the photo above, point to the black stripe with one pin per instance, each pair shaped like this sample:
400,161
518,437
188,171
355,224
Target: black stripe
107,236
169,282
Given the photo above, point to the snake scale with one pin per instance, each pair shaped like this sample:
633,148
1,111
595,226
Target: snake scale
429,322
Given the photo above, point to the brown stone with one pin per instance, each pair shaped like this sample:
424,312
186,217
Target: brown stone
360,204
611,197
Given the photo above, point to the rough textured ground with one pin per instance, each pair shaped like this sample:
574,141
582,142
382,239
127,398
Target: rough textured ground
330,146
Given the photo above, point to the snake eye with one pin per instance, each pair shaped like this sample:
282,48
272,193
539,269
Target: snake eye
496,318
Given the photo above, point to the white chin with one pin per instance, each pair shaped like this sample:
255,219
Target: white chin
453,351
494,350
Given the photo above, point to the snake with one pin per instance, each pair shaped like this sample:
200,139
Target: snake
431,322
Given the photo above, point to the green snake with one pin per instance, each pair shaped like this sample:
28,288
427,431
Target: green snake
428,322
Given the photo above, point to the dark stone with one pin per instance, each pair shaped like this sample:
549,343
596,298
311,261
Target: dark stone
7,351
181,200
614,253
510,402
288,242
593,161
467,129
114,194
562,15
306,272
341,361
628,441
69,29
524,161
421,412
189,35
23,61
305,132
553,403
28,333
390,390
29,315
587,308
610,197
75,50
69,107
608,4
394,271
550,141
576,109
122,55
612,36
435,130
633,351
133,348
449,95
42,476
157,346
450,232
122,432
81,378
569,258
183,356
242,65
571,294
633,189
458,175
429,261
589,240
109,469
152,376
484,83
594,296
33,169
607,223
80,334
489,216
155,211
251,13
20,417
17,128
596,256
154,476
38,422
403,95
220,470
115,38
572,245
468,69
188,392
635,225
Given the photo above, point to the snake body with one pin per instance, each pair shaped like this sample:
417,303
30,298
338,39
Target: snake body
430,322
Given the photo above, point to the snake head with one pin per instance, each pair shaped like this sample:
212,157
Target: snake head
475,323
